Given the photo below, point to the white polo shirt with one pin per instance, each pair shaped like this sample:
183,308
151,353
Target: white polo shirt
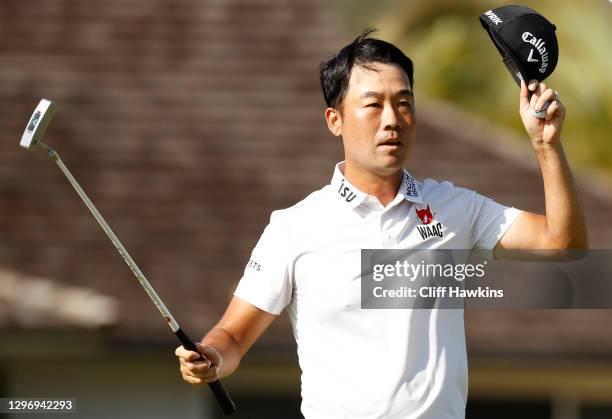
390,363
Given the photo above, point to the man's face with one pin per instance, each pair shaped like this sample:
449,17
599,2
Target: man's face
377,122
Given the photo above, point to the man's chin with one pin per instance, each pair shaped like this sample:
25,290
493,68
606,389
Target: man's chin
380,165
389,166
393,162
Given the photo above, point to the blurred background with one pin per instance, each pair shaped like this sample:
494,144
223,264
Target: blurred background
188,122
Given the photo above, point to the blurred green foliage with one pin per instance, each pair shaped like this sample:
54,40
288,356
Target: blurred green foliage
456,61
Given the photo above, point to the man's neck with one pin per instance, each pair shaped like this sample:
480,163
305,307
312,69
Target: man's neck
382,187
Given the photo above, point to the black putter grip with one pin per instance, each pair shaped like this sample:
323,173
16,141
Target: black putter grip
226,402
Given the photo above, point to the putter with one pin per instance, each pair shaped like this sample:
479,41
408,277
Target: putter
31,140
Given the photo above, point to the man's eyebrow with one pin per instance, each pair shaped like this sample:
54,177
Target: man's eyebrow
404,92
370,93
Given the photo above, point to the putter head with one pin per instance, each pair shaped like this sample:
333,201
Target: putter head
38,124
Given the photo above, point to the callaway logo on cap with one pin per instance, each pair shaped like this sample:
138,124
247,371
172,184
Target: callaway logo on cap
525,39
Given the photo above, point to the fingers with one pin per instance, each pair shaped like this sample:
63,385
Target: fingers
546,96
194,369
198,372
555,109
541,94
192,380
542,99
181,352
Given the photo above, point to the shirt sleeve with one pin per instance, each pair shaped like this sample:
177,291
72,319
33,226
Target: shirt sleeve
489,220
266,282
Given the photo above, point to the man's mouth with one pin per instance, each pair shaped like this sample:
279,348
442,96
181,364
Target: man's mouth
391,142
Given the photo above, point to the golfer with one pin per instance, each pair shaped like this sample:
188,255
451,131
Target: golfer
381,363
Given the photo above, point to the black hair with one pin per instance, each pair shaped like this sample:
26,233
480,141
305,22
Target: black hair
336,70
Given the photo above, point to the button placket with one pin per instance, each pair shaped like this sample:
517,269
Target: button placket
385,233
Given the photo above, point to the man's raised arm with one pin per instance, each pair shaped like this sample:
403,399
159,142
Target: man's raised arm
563,227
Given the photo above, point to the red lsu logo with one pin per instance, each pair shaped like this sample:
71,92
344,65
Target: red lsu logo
424,215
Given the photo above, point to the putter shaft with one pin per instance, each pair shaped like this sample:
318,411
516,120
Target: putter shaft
217,388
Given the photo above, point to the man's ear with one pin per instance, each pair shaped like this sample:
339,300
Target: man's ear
334,121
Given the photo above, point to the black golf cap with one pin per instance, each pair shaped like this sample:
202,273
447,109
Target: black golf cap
525,40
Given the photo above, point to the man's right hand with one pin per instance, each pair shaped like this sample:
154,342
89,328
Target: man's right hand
195,370
225,344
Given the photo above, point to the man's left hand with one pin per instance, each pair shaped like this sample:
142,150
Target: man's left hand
543,132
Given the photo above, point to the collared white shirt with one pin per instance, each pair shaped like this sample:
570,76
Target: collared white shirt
360,363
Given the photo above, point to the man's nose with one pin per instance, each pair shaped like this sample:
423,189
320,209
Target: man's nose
390,118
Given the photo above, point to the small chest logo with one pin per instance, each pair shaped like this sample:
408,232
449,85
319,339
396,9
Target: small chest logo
428,228
424,215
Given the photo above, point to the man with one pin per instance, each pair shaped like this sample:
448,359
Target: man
380,363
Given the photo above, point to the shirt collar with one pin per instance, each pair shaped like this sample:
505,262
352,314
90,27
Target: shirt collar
353,197
410,188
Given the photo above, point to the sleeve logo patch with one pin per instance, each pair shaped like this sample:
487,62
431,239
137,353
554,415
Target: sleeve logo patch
253,265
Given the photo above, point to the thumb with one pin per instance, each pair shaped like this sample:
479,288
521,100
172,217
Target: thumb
209,353
200,349
524,97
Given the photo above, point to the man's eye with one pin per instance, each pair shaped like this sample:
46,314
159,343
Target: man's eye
404,103
373,105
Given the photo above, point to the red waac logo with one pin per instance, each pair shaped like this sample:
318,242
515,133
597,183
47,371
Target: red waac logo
424,215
